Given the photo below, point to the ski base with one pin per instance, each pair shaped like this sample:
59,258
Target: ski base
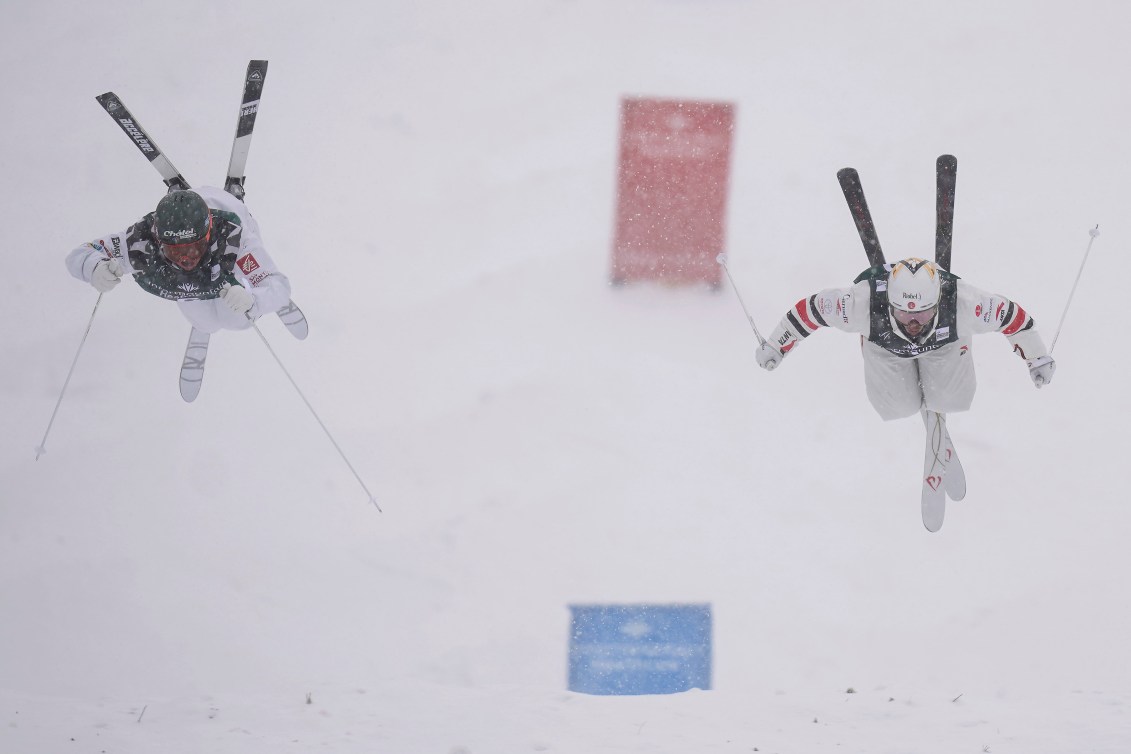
935,465
294,320
854,194
955,480
946,169
192,367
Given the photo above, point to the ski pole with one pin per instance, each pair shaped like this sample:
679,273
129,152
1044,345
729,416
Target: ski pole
1093,233
315,413
722,260
42,447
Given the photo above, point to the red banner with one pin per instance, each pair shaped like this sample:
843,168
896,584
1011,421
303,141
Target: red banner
672,190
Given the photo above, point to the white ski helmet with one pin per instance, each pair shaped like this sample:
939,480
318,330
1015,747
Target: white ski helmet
914,285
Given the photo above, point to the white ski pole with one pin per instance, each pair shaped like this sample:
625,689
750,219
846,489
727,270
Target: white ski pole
722,260
1093,233
316,417
42,447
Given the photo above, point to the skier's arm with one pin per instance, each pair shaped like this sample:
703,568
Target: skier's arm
990,312
842,308
254,267
100,262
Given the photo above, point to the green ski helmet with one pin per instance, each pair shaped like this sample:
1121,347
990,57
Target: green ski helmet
182,224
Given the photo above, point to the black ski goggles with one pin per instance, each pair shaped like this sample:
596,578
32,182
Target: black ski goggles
919,317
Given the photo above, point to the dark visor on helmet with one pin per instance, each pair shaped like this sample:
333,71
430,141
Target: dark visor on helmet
917,317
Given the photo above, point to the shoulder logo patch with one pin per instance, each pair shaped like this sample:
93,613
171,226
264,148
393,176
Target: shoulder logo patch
247,264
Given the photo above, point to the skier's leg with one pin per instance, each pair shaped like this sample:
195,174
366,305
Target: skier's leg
948,378
211,315
892,383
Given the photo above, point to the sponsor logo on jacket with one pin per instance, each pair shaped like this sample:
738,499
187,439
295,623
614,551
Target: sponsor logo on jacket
247,264
826,306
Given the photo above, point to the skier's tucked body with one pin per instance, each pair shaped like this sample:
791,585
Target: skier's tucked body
200,248
916,323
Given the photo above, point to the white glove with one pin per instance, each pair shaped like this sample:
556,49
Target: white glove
238,299
768,357
107,273
1041,369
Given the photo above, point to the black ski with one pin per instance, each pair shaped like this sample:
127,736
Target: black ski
946,171
249,108
112,104
858,206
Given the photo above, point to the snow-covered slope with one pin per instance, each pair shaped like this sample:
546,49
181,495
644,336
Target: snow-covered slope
437,179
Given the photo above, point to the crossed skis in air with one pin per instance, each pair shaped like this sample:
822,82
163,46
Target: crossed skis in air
943,475
196,351
192,369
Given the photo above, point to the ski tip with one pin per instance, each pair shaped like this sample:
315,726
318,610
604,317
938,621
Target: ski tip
947,161
846,173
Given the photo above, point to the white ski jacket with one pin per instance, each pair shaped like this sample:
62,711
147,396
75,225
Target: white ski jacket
237,256
863,308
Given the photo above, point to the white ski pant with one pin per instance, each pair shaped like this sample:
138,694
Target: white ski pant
211,315
941,380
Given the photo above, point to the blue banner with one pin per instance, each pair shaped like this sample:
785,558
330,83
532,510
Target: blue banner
639,649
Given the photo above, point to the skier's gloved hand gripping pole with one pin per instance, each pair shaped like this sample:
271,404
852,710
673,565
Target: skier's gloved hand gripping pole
768,357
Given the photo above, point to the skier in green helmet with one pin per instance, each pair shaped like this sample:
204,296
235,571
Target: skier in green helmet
201,249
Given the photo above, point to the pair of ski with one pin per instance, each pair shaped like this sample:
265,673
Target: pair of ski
943,475
196,352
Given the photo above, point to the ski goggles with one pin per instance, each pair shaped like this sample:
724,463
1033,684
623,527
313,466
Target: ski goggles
188,255
919,317
185,255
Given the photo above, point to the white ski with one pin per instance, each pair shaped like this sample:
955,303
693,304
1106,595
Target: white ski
192,368
196,352
294,319
955,480
936,459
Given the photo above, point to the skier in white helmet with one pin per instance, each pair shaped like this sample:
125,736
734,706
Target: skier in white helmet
916,321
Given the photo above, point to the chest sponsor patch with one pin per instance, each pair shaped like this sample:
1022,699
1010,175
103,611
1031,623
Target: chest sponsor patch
247,264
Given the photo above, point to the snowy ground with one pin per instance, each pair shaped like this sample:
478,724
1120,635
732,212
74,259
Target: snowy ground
437,178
